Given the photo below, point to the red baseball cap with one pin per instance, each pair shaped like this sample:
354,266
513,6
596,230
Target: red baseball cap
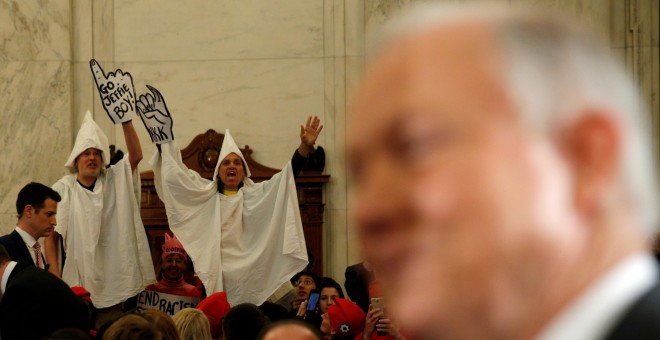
346,318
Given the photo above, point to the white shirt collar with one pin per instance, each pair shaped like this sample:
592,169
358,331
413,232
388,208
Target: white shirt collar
5,275
594,313
27,238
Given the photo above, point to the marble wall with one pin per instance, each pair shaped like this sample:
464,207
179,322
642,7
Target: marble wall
257,68
35,97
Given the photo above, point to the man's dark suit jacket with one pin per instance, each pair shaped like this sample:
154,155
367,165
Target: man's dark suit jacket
642,320
36,303
17,249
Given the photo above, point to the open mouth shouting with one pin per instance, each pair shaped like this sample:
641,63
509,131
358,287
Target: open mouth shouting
231,171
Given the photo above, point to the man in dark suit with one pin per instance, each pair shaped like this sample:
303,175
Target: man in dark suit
34,302
503,178
36,207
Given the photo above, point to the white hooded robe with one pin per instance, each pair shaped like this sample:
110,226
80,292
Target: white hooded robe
106,247
247,244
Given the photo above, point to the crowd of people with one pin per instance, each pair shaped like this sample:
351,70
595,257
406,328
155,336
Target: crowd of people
227,228
526,210
65,312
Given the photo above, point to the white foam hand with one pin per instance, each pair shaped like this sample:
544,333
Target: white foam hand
117,93
155,116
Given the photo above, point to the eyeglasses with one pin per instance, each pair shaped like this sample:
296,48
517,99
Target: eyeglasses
306,282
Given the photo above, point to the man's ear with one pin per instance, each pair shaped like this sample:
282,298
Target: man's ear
28,210
592,146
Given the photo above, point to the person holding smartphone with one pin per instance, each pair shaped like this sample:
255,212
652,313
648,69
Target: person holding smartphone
308,309
378,325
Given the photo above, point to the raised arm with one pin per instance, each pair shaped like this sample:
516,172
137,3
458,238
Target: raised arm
132,144
308,135
51,249
118,99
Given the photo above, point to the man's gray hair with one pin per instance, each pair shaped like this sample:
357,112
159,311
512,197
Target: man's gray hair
555,72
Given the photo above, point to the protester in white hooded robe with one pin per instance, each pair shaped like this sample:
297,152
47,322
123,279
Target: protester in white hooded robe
245,240
104,240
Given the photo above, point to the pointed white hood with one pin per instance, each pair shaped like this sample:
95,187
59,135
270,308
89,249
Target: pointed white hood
229,146
90,135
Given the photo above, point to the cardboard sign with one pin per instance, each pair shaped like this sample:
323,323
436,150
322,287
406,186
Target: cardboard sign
168,303
284,296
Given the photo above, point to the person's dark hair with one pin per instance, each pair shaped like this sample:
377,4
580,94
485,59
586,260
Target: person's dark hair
292,322
243,322
328,282
4,255
35,194
132,327
314,277
163,323
311,260
273,311
68,334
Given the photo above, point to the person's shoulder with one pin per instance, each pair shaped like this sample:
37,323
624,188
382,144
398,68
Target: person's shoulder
24,272
9,238
192,290
5,240
64,183
6,236
641,320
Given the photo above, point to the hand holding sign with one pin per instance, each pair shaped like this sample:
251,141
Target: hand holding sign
153,111
117,93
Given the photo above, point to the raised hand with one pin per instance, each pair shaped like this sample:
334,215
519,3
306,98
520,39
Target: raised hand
117,93
371,322
310,131
155,116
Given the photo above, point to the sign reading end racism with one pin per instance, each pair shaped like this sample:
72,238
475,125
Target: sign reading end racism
167,303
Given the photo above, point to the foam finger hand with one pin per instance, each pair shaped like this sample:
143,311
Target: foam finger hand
116,92
155,117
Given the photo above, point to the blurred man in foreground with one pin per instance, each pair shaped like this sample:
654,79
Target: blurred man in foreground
504,180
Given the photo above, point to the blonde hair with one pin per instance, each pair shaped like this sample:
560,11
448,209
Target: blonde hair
192,324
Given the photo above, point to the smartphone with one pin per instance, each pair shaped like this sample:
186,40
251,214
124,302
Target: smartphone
312,302
379,303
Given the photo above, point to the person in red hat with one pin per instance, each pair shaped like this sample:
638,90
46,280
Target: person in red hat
215,307
344,320
173,269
